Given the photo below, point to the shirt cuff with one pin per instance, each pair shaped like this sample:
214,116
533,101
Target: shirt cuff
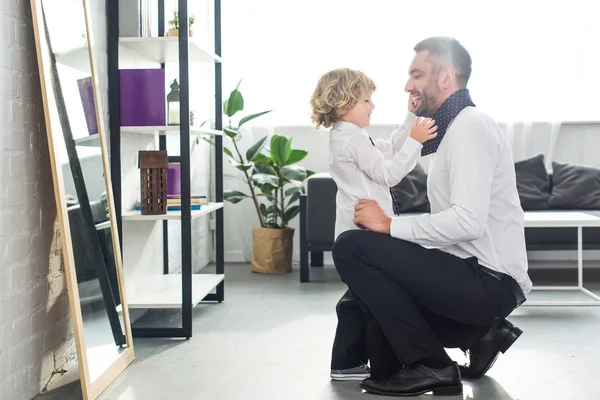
408,120
412,146
401,228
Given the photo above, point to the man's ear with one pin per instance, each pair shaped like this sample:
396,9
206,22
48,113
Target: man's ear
446,77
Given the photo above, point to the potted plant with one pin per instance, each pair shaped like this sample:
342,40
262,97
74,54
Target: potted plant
174,25
274,182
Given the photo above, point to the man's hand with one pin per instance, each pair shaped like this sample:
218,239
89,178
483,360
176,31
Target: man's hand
368,215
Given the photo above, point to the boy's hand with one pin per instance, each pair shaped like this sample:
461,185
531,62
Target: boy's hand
423,130
412,104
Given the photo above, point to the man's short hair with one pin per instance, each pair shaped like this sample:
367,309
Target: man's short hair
452,52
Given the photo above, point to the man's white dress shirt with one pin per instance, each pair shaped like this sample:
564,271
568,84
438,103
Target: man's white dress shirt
475,207
363,171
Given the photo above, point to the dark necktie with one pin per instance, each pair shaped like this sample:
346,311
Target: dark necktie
449,109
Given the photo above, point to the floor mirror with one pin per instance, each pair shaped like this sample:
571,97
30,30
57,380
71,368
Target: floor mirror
82,188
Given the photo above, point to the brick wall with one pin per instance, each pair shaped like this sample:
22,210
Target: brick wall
35,327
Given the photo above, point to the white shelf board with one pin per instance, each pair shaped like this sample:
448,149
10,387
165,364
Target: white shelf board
164,291
166,49
103,225
168,130
92,140
157,49
135,215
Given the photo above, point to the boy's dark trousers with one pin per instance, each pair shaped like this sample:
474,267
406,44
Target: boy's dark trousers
359,339
350,343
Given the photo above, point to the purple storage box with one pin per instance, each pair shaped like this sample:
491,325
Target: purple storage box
143,98
174,179
86,92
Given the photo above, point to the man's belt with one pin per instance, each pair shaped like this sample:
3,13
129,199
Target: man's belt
508,280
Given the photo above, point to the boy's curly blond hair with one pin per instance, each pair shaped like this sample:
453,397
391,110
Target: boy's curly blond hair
337,90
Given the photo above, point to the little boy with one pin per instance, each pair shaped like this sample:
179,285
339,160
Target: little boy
362,169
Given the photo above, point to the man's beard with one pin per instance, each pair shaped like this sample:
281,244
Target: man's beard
429,103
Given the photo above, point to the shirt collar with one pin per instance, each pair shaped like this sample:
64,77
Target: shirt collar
344,125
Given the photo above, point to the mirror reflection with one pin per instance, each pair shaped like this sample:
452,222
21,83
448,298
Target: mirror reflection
77,151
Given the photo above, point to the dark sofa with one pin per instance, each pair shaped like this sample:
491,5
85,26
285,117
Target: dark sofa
569,187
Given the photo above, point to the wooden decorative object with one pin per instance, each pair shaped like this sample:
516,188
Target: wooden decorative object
153,182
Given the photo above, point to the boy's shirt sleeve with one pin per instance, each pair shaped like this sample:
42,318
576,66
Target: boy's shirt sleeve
397,139
372,161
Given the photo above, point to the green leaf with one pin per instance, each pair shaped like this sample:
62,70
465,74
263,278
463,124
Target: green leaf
227,151
309,173
280,151
296,155
293,173
263,210
252,116
260,157
263,179
230,132
234,196
288,150
294,198
244,167
255,149
291,213
263,168
292,190
210,141
235,103
268,196
239,165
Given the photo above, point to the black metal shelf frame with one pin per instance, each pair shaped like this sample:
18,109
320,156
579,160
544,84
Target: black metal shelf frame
185,331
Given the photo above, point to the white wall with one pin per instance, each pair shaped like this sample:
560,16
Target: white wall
576,143
35,323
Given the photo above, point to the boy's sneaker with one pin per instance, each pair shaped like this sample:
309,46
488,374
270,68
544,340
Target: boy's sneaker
351,374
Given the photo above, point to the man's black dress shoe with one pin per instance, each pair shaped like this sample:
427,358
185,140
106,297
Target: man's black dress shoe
416,379
482,356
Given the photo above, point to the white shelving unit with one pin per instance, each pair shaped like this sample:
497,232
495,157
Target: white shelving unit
147,263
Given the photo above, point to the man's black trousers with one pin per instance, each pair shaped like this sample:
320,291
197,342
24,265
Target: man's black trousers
406,303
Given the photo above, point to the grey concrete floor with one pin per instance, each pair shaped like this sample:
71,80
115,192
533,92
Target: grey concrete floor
271,339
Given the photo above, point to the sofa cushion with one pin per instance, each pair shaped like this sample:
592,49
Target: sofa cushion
321,191
575,187
410,195
533,183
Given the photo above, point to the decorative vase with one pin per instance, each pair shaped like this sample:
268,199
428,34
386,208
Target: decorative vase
272,250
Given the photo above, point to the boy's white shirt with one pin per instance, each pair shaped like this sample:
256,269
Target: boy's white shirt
363,171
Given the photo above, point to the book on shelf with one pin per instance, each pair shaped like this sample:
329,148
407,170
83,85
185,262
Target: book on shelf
174,203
